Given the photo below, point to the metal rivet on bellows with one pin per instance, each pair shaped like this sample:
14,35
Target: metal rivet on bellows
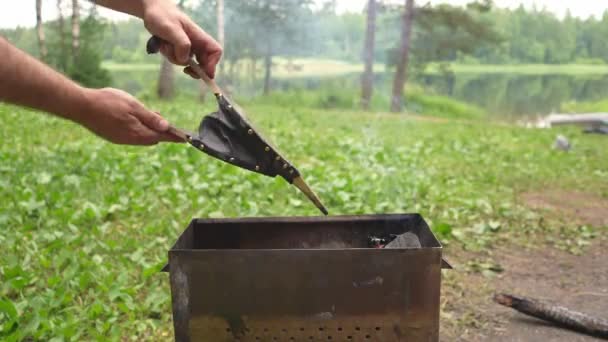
257,167
266,148
201,146
285,166
231,159
291,171
250,131
277,158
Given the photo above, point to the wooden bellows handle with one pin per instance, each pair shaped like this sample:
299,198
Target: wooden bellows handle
153,46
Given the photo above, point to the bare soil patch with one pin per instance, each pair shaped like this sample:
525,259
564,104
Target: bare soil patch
578,206
579,282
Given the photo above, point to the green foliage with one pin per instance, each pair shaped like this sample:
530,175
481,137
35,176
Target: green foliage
23,38
87,225
444,32
255,27
537,36
125,41
86,67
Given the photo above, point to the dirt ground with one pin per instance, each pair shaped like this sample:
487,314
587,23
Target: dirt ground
578,282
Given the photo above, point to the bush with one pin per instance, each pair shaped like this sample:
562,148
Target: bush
86,67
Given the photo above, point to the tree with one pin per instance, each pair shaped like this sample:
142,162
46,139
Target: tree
62,38
166,80
277,21
220,23
87,69
40,31
75,29
367,79
404,54
443,33
166,77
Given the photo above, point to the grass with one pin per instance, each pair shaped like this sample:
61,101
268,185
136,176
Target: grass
86,225
586,107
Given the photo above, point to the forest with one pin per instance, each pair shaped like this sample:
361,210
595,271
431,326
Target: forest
478,34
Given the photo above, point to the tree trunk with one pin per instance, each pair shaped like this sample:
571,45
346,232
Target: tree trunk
268,69
254,66
403,58
165,88
166,78
220,23
367,79
233,69
62,40
40,31
75,29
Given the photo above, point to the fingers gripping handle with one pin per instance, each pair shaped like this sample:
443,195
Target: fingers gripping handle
153,46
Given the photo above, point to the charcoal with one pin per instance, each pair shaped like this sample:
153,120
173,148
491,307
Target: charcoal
405,240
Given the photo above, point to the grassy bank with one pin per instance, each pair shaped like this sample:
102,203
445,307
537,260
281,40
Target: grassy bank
585,107
87,225
345,97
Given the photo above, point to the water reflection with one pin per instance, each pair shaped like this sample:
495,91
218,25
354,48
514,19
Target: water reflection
519,95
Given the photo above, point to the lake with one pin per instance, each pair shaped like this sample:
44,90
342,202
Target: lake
500,94
519,95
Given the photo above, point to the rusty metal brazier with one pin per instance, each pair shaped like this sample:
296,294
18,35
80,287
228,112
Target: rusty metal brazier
305,279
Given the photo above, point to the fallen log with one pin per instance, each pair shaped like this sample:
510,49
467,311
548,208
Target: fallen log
556,314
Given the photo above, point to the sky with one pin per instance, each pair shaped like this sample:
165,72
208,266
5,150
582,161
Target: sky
22,12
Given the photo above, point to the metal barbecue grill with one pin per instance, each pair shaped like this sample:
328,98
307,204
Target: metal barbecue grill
305,279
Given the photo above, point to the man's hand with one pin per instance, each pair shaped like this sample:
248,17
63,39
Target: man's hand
110,113
163,19
119,118
185,38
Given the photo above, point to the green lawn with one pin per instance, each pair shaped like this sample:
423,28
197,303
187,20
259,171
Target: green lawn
86,225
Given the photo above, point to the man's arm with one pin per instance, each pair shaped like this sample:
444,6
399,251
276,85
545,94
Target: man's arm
163,19
110,113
